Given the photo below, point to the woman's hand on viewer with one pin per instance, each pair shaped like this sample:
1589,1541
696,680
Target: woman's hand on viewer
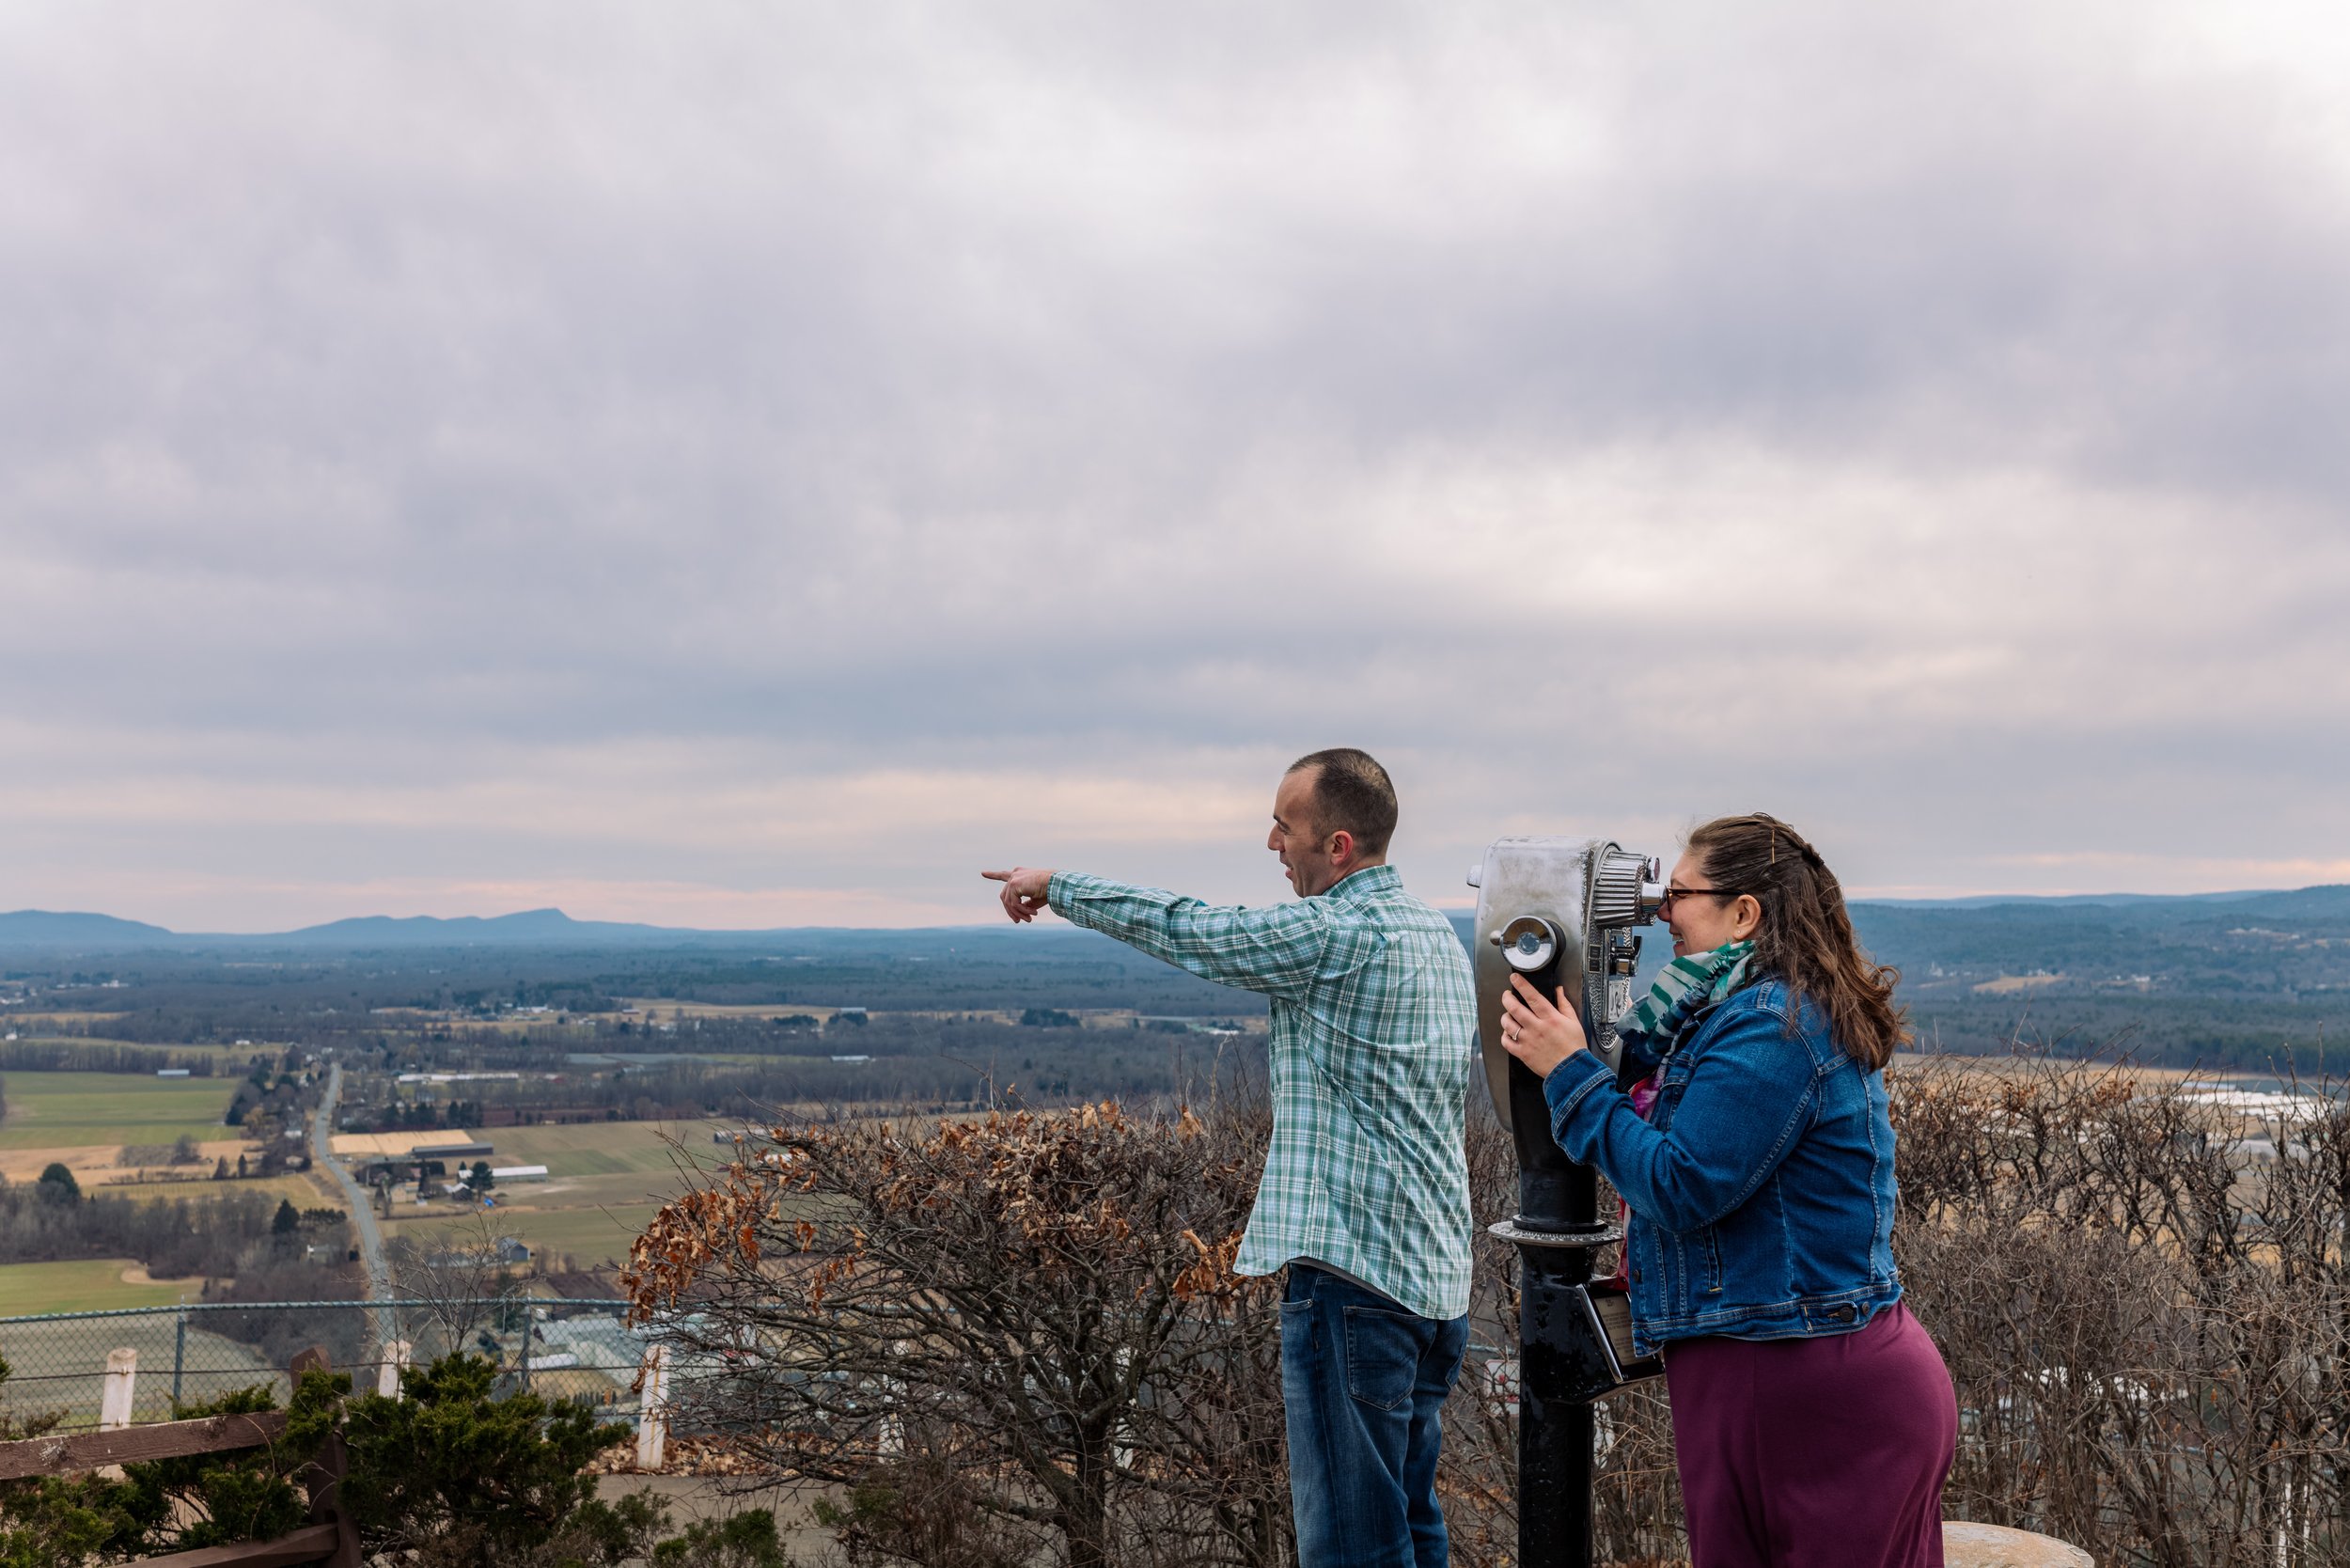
1536,1032
1025,891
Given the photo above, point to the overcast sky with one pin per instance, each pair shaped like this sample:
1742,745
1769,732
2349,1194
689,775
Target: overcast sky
756,464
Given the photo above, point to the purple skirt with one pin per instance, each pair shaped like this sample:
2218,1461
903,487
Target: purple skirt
1825,1453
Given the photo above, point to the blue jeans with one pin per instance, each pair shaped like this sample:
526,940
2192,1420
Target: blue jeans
1364,1383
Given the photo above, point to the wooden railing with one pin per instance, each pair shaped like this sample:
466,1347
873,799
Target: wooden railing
329,1540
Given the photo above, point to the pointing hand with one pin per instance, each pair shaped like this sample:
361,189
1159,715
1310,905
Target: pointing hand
1024,891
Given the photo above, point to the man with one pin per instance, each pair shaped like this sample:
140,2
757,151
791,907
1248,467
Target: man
1365,1194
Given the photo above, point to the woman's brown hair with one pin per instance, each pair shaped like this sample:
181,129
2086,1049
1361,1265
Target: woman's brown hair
1806,937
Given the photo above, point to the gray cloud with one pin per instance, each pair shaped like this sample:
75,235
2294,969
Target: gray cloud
681,462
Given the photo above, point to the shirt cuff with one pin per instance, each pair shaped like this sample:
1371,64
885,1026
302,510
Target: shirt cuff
1061,891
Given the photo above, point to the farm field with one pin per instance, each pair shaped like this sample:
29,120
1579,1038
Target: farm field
84,1285
239,1055
298,1190
602,1148
605,1181
94,1164
590,1192
101,1284
592,1236
62,1111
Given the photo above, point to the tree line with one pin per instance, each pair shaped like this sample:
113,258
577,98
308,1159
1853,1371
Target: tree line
52,1220
80,1056
894,1059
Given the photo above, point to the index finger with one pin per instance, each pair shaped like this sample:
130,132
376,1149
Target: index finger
997,876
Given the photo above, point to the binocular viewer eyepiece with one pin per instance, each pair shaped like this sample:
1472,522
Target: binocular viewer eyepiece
1529,944
1561,913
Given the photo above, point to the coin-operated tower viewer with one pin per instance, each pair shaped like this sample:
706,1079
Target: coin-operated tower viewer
1562,912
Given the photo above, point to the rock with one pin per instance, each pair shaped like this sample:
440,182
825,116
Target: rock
1973,1545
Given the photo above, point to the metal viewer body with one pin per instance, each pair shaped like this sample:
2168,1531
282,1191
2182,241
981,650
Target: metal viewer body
1559,911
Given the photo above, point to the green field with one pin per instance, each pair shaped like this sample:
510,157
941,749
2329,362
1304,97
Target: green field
590,1192
605,1181
298,1190
59,1111
591,1235
84,1285
238,1054
601,1148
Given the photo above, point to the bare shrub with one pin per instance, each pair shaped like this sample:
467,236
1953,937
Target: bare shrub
925,1508
1025,1320
460,1278
2144,1316
1021,1333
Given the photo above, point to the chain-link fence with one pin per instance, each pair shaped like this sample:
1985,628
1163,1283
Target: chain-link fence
559,1349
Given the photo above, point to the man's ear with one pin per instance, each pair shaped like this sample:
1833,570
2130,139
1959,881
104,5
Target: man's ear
1341,847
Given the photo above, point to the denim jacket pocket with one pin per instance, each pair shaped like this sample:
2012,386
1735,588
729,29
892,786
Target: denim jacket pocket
1668,1094
1381,1355
1711,1254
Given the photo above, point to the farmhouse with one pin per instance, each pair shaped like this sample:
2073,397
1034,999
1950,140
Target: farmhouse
399,1156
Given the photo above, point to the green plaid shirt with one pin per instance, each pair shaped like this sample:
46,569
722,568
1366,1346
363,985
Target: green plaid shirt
1374,1030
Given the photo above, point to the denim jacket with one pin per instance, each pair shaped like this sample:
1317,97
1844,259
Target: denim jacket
1762,1185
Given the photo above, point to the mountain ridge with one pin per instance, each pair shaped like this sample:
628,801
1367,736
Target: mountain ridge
27,930
95,932
22,926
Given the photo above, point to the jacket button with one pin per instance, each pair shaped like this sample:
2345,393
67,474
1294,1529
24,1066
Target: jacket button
1845,1314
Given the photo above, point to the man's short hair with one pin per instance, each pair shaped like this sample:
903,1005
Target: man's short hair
1352,793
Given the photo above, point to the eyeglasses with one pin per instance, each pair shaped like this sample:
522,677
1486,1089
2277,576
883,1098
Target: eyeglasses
1665,904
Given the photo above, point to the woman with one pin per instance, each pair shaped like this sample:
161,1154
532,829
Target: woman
1814,1419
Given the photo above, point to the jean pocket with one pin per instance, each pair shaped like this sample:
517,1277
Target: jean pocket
1297,1327
1381,1355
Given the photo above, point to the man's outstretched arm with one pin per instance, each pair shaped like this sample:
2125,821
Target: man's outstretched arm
1276,951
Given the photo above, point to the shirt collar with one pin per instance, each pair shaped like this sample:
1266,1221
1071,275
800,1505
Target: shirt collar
1363,884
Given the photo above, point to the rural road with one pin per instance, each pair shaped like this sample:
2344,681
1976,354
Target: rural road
371,1238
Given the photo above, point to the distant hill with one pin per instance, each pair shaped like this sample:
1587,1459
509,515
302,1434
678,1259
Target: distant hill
2194,940
529,927
41,927
2331,901
545,929
1985,900
2188,934
2250,979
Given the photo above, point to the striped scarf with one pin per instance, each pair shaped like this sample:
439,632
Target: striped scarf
1688,983
1654,1022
